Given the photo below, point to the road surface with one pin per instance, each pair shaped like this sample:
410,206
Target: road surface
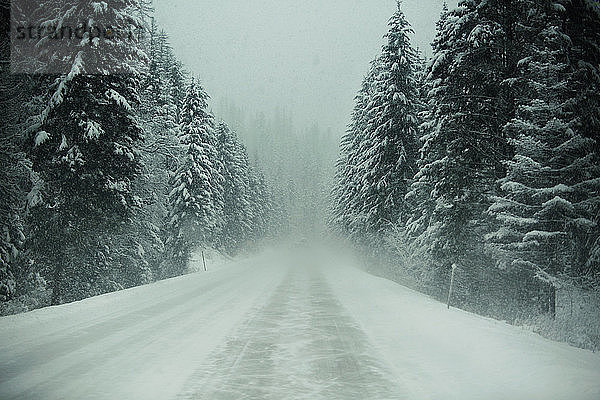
281,327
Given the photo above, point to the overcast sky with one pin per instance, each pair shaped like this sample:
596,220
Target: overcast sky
307,55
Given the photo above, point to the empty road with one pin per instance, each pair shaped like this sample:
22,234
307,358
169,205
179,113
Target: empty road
296,325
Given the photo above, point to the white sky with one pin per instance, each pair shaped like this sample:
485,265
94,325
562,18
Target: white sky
308,56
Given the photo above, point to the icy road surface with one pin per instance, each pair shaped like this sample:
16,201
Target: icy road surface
281,327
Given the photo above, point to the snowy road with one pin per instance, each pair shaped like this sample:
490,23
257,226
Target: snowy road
300,342
281,327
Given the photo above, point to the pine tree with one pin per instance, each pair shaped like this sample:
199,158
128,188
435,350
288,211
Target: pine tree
84,153
82,145
582,25
345,210
550,193
14,167
463,141
260,208
196,198
380,149
13,185
235,170
389,149
162,154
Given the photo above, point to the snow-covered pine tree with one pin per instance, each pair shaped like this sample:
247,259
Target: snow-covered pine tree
10,227
14,181
582,25
345,205
165,79
177,77
389,149
82,147
161,102
246,230
418,195
140,249
463,143
261,208
379,150
235,169
152,77
550,195
196,198
14,167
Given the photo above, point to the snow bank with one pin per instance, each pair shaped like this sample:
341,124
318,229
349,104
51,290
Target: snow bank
452,354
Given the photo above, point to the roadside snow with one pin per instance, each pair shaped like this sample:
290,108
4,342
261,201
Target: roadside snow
214,260
452,354
141,343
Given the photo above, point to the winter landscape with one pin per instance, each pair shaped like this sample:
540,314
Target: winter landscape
317,200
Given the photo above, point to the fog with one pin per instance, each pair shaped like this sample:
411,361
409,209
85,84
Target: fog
307,57
284,74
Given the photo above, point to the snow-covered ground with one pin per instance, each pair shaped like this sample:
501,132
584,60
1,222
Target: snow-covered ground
300,325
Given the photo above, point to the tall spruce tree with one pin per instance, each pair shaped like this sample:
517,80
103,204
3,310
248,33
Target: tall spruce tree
83,147
463,141
84,152
141,247
390,148
260,208
550,193
15,181
582,25
379,151
236,192
196,198
346,207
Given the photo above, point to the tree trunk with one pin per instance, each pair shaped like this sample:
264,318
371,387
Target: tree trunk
552,301
56,284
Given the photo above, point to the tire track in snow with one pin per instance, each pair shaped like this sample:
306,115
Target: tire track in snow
167,343
244,367
344,360
301,345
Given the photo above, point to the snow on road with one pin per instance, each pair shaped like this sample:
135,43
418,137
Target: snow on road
281,327
300,345
142,343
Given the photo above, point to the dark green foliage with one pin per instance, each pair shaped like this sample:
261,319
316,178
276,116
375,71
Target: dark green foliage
549,200
196,198
84,152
